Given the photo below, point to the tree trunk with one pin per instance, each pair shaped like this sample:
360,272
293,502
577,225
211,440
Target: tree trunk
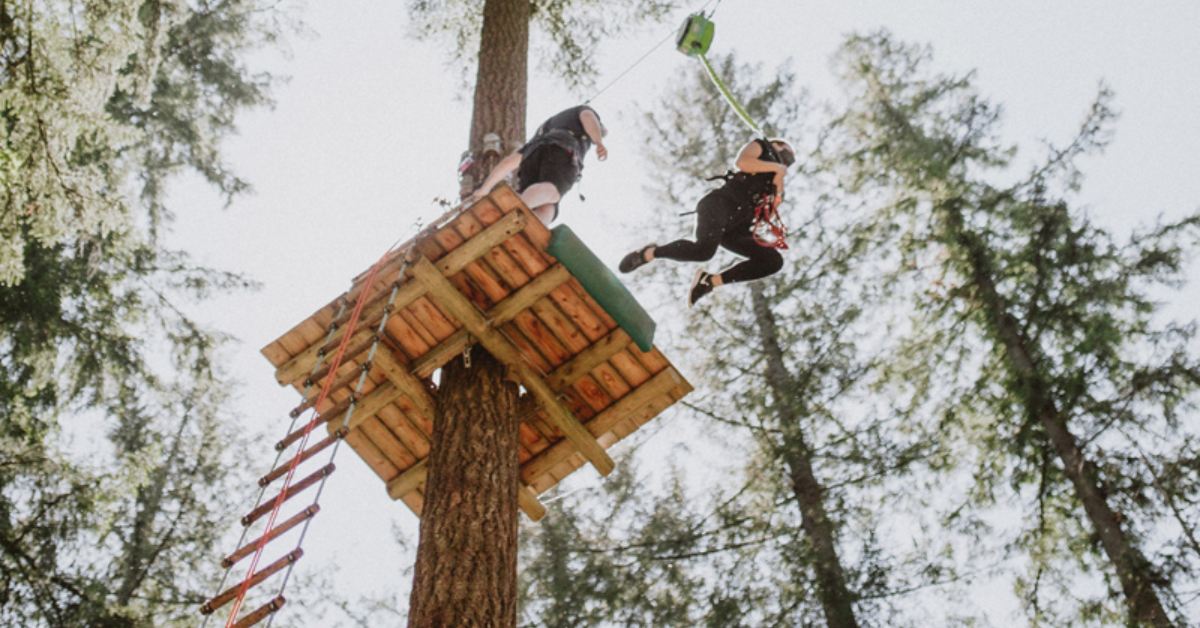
1133,570
501,82
836,600
466,571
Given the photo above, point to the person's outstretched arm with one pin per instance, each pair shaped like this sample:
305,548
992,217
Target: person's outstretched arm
502,169
591,126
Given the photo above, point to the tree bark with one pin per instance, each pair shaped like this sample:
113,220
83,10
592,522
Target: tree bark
502,79
836,599
1134,572
466,571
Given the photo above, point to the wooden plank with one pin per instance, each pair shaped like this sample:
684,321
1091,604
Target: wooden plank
416,326
458,306
528,502
432,319
449,348
412,479
303,362
541,337
407,426
603,422
415,502
559,325
541,285
406,382
588,359
629,368
450,264
590,391
370,454
372,403
501,313
386,442
610,381
503,229
579,312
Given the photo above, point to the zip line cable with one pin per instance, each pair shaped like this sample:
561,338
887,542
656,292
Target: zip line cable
646,54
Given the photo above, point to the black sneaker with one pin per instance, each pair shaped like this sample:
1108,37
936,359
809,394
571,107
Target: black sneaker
701,285
634,260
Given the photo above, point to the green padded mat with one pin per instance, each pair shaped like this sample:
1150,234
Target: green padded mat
603,285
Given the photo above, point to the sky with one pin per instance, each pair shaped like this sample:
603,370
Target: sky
369,127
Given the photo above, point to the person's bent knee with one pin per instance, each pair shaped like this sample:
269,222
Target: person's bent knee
773,261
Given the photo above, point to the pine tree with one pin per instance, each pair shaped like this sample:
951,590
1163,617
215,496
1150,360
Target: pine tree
1074,393
110,487
798,540
470,506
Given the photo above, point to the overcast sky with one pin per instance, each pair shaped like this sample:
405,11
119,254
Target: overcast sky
370,127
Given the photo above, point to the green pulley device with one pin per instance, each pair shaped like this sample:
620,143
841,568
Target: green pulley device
694,39
695,36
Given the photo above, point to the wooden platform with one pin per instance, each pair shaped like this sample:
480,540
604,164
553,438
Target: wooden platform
481,276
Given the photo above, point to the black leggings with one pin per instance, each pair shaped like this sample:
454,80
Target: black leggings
718,223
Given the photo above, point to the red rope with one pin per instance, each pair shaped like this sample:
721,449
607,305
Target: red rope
767,218
334,365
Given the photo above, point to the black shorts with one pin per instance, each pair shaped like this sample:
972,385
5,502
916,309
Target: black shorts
548,163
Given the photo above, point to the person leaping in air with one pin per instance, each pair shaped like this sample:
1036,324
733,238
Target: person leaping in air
550,163
726,216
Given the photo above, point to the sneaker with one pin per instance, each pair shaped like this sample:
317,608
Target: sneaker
634,260
701,285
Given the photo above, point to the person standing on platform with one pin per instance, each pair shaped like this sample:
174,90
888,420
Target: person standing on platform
551,162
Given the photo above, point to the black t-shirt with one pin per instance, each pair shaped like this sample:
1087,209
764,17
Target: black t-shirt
747,186
566,120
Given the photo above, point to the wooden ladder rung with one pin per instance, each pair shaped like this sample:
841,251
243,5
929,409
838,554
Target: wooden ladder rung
249,548
281,470
311,401
295,435
351,352
337,410
293,490
261,612
266,572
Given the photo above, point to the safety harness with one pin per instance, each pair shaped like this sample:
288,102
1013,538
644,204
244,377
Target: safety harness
767,228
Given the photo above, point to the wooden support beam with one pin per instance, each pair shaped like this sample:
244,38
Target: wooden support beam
499,314
414,479
595,355
549,458
403,381
436,357
406,382
373,402
528,294
455,304
528,502
453,262
409,481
